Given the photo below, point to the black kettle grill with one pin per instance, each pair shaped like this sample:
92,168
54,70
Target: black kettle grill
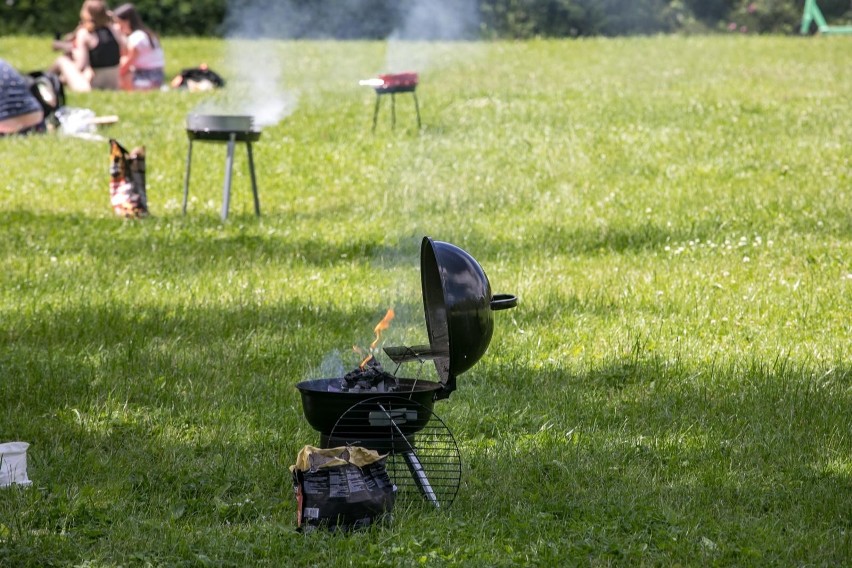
458,302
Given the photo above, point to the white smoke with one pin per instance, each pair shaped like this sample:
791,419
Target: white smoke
426,30
439,20
331,366
254,68
256,86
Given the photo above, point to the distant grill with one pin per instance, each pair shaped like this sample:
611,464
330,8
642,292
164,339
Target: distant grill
222,128
397,83
391,84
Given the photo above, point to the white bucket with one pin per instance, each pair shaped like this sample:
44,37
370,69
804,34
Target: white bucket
13,464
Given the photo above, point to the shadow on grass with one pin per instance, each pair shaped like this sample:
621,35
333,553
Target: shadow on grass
633,237
192,243
735,462
184,422
184,419
157,418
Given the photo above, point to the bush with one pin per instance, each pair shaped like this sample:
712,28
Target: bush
377,19
765,16
548,18
561,18
168,17
341,19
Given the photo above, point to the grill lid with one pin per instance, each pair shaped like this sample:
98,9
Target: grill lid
458,302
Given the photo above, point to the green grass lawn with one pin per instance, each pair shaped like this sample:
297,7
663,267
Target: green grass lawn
674,387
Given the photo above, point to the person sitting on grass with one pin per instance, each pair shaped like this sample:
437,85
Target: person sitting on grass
95,52
143,64
20,111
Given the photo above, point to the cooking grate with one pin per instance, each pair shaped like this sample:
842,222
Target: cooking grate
423,457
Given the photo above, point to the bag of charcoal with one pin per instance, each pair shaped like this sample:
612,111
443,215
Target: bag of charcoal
343,488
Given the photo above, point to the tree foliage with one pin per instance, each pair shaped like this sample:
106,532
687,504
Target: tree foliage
377,19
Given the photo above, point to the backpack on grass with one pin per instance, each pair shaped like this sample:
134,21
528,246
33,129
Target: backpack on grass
50,93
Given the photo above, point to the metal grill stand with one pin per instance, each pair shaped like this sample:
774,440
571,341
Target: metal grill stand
230,129
392,91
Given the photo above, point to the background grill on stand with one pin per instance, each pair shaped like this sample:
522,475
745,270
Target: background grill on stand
391,84
222,128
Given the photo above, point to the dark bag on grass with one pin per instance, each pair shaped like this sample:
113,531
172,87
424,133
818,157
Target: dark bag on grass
341,488
48,90
200,78
127,193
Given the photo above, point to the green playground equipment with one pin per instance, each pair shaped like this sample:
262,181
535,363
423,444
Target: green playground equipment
812,14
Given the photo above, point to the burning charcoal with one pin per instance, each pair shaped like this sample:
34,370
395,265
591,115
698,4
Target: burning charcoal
369,378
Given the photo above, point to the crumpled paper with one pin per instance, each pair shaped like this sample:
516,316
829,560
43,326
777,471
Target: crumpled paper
78,122
312,459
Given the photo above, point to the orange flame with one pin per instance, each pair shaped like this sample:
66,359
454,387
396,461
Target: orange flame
380,327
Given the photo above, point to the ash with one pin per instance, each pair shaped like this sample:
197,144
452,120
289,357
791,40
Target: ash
371,378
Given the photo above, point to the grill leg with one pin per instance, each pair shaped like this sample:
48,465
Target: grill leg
229,169
186,177
376,111
416,469
416,108
253,180
413,463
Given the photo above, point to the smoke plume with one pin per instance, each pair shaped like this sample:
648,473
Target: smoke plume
412,45
418,33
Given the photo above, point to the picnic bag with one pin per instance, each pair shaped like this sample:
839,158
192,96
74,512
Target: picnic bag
200,78
127,180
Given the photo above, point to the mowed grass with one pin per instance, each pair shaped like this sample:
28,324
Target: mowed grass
674,387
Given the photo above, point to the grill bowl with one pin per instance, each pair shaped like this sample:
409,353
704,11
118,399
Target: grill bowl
398,83
323,408
220,127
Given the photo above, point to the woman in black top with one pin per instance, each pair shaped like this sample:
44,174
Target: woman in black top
95,53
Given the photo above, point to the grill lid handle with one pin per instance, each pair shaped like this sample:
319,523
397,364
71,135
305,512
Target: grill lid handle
503,302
